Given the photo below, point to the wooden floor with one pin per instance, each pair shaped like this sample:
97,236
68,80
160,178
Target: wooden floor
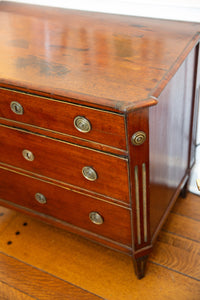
38,261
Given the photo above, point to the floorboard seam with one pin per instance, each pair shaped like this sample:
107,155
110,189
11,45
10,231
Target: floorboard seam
179,235
13,287
52,275
173,270
182,215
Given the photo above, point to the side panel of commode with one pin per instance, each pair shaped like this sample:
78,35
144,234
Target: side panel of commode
171,138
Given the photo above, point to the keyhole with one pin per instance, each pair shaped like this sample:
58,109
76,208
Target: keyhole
16,108
28,155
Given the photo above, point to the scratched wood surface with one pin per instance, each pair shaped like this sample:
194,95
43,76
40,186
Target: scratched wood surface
41,262
111,61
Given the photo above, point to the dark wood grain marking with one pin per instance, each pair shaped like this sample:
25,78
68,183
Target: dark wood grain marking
68,48
19,43
41,66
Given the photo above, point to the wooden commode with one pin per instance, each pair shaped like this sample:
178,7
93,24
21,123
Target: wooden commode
97,121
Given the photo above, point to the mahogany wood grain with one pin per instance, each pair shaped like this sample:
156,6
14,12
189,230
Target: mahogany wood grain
106,128
64,185
65,137
64,162
66,205
139,160
170,138
137,121
111,61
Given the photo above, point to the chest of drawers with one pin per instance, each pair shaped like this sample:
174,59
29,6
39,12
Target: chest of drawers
97,121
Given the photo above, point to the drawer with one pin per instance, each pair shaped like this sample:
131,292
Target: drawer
83,167
67,205
104,127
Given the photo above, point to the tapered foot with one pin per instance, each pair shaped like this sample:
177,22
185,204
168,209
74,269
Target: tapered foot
184,191
140,266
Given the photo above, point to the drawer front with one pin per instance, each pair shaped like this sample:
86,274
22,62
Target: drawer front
104,127
65,162
66,205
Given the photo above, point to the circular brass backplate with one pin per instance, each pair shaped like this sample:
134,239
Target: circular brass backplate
96,218
82,124
28,155
138,138
40,198
16,107
89,173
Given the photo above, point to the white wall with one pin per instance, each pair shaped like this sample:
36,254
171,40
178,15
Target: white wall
188,10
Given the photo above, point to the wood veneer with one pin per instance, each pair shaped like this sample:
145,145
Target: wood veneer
64,162
44,114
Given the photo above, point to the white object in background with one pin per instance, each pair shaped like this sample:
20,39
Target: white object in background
187,10
195,174
198,125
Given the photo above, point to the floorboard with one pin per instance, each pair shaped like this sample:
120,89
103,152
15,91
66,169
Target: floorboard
38,284
177,253
7,292
188,207
183,226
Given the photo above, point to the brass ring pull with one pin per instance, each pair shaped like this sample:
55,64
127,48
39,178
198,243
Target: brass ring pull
82,124
17,108
28,155
89,173
96,218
